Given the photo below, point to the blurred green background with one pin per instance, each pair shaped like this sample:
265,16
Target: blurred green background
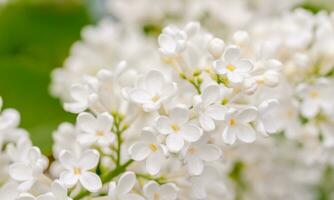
35,37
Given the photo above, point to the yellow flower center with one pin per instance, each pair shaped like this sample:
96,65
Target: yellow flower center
155,98
99,133
77,171
232,122
314,94
153,147
175,127
156,196
191,151
230,67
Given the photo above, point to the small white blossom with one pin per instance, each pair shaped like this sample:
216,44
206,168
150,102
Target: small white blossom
150,149
236,125
122,189
208,108
77,170
152,91
197,153
27,171
95,130
235,68
154,191
178,128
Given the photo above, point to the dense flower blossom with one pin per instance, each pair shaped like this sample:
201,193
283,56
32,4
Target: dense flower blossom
190,114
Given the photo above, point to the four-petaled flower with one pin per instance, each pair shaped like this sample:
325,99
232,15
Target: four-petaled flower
152,91
178,129
77,169
150,149
237,125
235,68
154,191
95,130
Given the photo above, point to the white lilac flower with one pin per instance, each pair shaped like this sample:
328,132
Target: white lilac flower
150,149
237,125
27,171
95,130
59,191
82,96
316,98
266,122
235,68
154,191
77,170
122,189
152,91
9,118
172,41
208,108
199,152
178,128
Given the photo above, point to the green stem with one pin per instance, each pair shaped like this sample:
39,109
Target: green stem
120,168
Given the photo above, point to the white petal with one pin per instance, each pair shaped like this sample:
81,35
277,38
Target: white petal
168,191
58,190
86,122
195,165
309,108
112,190
126,183
89,159
247,115
206,122
131,197
209,152
211,94
34,154
163,125
9,118
20,172
243,65
216,112
191,133
150,188
220,67
229,135
139,151
68,179
75,107
90,181
179,115
26,196
235,77
231,54
174,142
104,121
154,82
79,93
246,133
47,196
67,159
140,96
86,139
26,185
153,163
166,43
